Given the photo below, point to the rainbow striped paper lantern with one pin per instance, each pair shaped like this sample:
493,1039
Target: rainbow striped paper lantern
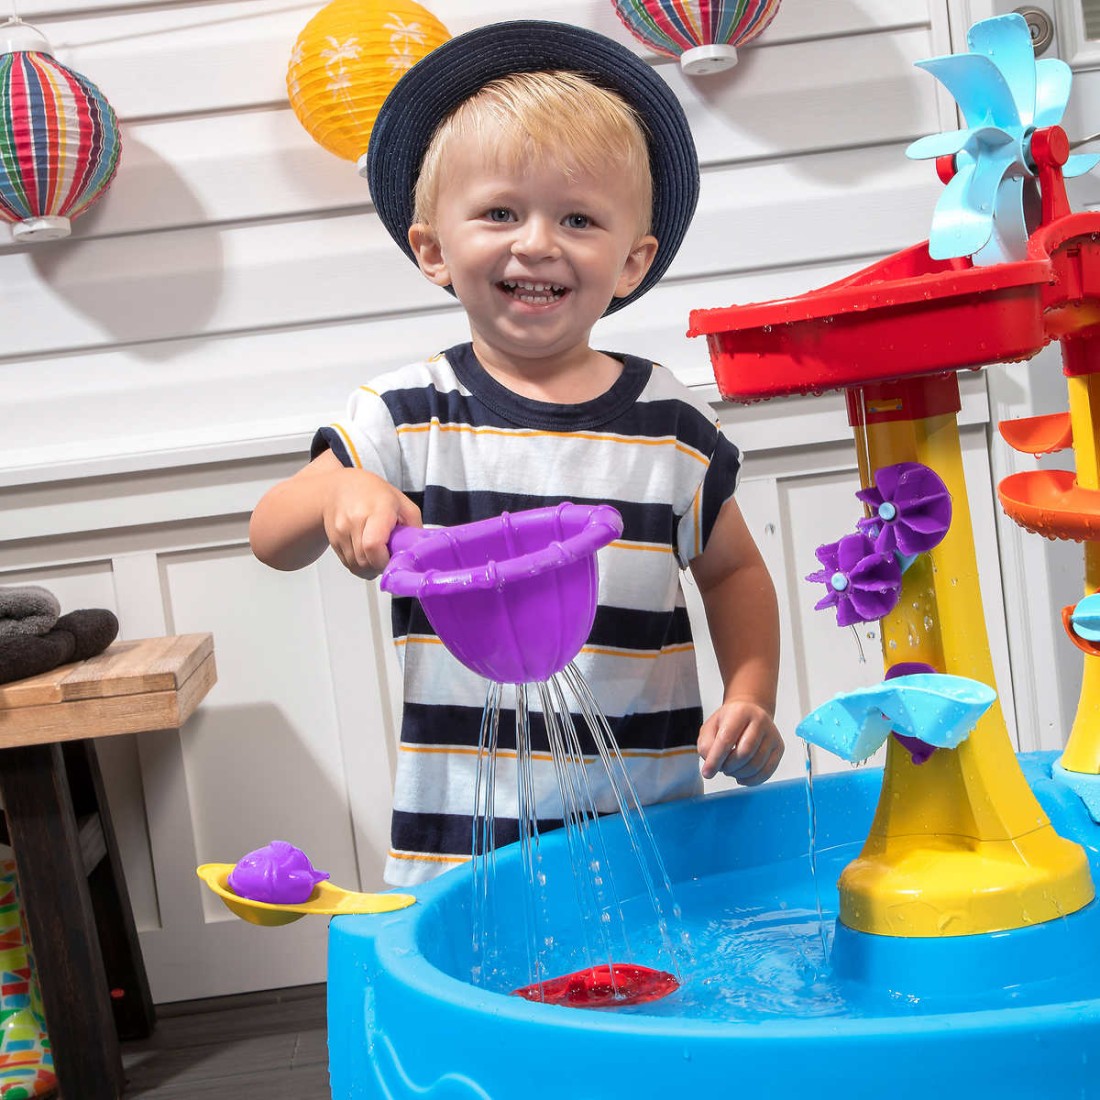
704,34
347,60
59,138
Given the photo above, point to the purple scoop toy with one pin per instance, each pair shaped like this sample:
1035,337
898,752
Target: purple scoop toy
512,597
277,873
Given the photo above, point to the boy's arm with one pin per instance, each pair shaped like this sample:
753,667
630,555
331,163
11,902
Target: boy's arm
740,738
328,504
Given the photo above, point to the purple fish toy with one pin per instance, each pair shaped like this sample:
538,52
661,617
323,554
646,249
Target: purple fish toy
278,874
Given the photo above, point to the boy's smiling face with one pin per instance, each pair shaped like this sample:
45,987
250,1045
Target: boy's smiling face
533,252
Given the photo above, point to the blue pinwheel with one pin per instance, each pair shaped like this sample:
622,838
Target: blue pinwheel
990,206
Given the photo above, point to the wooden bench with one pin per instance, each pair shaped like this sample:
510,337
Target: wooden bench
77,908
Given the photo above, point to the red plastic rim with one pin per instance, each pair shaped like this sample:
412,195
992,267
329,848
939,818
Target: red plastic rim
906,316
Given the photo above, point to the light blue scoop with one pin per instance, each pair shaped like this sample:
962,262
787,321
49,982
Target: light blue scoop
935,707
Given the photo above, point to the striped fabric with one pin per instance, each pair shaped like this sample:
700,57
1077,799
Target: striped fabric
463,447
59,139
673,26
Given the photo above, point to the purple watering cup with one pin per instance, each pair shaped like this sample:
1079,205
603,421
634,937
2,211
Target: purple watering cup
512,597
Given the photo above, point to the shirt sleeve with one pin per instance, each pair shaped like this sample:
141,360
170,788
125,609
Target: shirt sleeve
365,438
718,484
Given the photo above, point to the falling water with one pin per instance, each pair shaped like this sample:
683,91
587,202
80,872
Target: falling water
593,882
859,644
811,813
482,843
597,898
637,827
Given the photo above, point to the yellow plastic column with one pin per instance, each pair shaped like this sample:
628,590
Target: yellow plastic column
959,844
1083,748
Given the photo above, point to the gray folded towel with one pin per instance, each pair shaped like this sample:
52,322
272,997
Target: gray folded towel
27,609
77,636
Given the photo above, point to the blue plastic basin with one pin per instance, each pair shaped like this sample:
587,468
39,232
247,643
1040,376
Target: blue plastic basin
1011,1014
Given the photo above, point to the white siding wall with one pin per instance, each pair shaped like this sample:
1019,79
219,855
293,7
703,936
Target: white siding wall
167,363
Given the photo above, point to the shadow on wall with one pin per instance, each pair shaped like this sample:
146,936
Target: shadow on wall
823,114
138,286
252,778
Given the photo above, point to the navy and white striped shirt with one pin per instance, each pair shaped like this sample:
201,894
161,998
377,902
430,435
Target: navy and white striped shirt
463,447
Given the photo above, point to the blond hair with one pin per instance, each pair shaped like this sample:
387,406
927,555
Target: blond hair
560,117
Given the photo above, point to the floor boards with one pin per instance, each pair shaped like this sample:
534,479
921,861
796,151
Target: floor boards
255,1046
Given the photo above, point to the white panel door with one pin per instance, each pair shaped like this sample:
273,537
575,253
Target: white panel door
293,743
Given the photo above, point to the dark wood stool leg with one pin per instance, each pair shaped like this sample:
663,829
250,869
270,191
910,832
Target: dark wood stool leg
131,1000
58,911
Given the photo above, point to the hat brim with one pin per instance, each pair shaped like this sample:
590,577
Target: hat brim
462,66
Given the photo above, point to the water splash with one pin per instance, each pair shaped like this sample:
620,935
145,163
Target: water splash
586,788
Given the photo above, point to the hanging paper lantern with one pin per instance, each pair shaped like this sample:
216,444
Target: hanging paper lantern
59,138
347,59
704,34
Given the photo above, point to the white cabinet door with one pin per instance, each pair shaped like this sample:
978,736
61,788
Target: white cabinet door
294,742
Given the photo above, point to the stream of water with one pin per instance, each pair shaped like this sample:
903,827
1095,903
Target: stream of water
574,797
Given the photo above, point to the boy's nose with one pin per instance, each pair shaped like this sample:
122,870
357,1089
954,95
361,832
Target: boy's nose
536,240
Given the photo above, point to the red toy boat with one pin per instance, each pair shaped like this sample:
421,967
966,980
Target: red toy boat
611,985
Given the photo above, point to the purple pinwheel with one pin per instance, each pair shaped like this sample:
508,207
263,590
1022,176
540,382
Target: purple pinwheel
911,509
863,584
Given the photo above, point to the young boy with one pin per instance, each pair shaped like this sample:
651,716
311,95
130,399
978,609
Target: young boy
545,176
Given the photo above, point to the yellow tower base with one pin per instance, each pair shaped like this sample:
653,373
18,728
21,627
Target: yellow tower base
959,845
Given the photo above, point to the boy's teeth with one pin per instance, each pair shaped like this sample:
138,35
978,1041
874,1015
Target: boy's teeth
524,289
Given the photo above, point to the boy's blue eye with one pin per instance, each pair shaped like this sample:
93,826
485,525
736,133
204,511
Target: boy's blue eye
577,221
499,214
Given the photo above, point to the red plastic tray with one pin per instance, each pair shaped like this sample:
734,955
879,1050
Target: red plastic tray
904,316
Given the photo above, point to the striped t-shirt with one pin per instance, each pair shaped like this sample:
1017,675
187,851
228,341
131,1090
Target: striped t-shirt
463,447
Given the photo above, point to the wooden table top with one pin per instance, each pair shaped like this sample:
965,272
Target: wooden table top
131,687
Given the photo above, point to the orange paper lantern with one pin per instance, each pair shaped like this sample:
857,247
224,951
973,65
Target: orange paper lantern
347,59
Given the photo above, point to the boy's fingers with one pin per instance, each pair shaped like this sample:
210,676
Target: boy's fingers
721,750
767,771
408,513
373,547
755,763
743,752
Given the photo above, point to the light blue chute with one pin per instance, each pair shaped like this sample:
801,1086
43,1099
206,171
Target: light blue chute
934,707
991,205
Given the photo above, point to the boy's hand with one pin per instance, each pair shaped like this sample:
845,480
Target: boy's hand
360,511
740,740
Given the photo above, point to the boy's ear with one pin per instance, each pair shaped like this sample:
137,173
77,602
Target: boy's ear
429,254
638,262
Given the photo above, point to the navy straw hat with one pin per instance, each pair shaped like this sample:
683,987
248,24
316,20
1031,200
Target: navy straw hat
462,66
